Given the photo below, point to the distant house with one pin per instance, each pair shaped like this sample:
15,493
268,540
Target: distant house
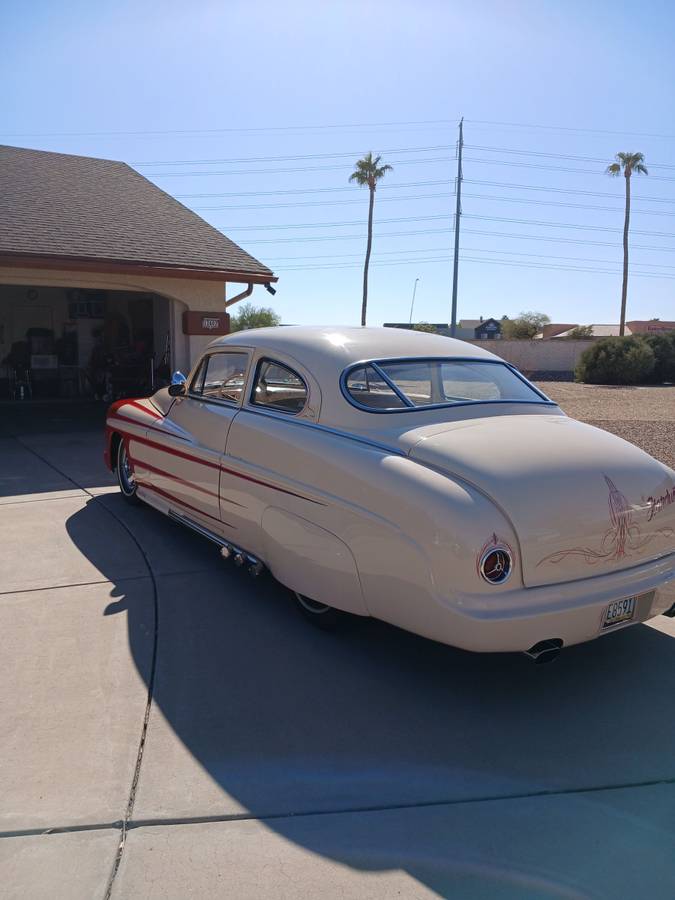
467,329
652,326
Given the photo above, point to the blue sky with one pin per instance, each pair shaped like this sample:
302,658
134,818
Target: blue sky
235,82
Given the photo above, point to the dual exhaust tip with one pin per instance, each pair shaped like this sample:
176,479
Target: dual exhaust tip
545,651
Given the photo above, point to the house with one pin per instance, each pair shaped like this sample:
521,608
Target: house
467,329
652,326
101,272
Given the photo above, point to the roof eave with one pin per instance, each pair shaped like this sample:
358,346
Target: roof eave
131,267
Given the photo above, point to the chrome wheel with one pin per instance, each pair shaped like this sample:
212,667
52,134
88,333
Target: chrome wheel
125,473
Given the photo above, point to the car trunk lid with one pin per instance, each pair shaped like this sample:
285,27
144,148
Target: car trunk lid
582,501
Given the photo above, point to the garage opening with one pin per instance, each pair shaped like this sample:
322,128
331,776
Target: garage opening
75,343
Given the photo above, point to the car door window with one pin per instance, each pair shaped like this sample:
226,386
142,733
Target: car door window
220,376
278,387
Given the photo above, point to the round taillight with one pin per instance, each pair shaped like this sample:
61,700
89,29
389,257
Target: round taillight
495,565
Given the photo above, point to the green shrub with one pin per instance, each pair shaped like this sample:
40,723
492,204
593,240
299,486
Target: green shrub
616,360
663,346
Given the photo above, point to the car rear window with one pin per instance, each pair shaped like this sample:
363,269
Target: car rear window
390,386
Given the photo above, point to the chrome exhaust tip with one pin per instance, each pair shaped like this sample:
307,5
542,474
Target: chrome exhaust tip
255,568
545,651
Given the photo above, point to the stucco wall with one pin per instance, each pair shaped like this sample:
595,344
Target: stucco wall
186,294
538,356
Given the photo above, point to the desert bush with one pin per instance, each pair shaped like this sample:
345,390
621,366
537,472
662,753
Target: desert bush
663,346
616,360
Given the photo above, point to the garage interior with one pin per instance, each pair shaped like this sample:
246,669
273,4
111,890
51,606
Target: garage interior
60,343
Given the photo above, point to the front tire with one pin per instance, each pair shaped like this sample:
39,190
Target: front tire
327,618
125,475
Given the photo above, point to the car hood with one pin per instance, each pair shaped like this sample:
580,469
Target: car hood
581,500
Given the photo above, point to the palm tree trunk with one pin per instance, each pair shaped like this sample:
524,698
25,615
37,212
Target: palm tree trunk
369,245
624,286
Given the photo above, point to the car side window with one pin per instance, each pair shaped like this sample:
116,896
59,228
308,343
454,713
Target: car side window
278,387
221,376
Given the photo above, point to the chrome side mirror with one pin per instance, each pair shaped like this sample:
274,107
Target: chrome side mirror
178,385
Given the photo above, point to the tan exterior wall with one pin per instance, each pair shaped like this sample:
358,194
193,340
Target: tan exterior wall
185,294
538,356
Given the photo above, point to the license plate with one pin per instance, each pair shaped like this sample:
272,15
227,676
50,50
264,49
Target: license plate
619,611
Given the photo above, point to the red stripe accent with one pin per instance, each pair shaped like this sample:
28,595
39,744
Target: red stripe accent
172,451
150,412
190,484
211,465
151,487
268,485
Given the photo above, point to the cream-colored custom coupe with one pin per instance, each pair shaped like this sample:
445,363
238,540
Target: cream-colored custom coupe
409,477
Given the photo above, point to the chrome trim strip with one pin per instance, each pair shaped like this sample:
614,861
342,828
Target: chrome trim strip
212,536
387,380
200,529
386,448
450,405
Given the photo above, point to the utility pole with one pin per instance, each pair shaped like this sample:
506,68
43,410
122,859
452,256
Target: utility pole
458,213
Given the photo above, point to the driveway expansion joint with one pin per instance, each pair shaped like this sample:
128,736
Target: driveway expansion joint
132,824
124,824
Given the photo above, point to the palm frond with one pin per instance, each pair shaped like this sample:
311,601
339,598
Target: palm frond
628,162
368,171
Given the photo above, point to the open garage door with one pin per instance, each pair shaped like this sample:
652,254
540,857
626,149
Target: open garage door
73,343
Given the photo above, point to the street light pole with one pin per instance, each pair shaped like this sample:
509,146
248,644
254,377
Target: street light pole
413,301
458,213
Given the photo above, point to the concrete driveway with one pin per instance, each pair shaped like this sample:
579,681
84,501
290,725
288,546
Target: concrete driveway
173,729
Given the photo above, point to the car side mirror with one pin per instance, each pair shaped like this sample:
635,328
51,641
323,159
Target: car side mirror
178,385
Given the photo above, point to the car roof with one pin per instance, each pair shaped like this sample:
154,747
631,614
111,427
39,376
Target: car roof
327,350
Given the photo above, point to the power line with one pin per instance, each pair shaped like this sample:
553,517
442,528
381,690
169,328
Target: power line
401,219
601,160
436,196
257,159
524,165
645,134
293,171
557,190
502,234
325,190
619,209
444,250
262,129
249,130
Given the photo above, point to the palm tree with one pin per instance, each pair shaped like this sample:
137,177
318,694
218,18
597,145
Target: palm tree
626,163
368,172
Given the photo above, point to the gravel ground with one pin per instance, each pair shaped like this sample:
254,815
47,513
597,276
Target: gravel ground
642,415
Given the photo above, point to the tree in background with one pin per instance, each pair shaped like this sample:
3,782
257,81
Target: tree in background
525,326
626,164
425,326
580,332
368,172
250,316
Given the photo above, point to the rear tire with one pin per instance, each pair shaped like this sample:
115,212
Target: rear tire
125,475
327,618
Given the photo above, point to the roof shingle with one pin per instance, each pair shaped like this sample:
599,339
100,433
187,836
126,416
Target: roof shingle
78,207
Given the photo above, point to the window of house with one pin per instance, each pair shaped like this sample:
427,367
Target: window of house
278,387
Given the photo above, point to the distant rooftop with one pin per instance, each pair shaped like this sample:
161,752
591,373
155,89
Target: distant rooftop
59,206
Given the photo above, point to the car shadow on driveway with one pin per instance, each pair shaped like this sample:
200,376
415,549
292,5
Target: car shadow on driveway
256,714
